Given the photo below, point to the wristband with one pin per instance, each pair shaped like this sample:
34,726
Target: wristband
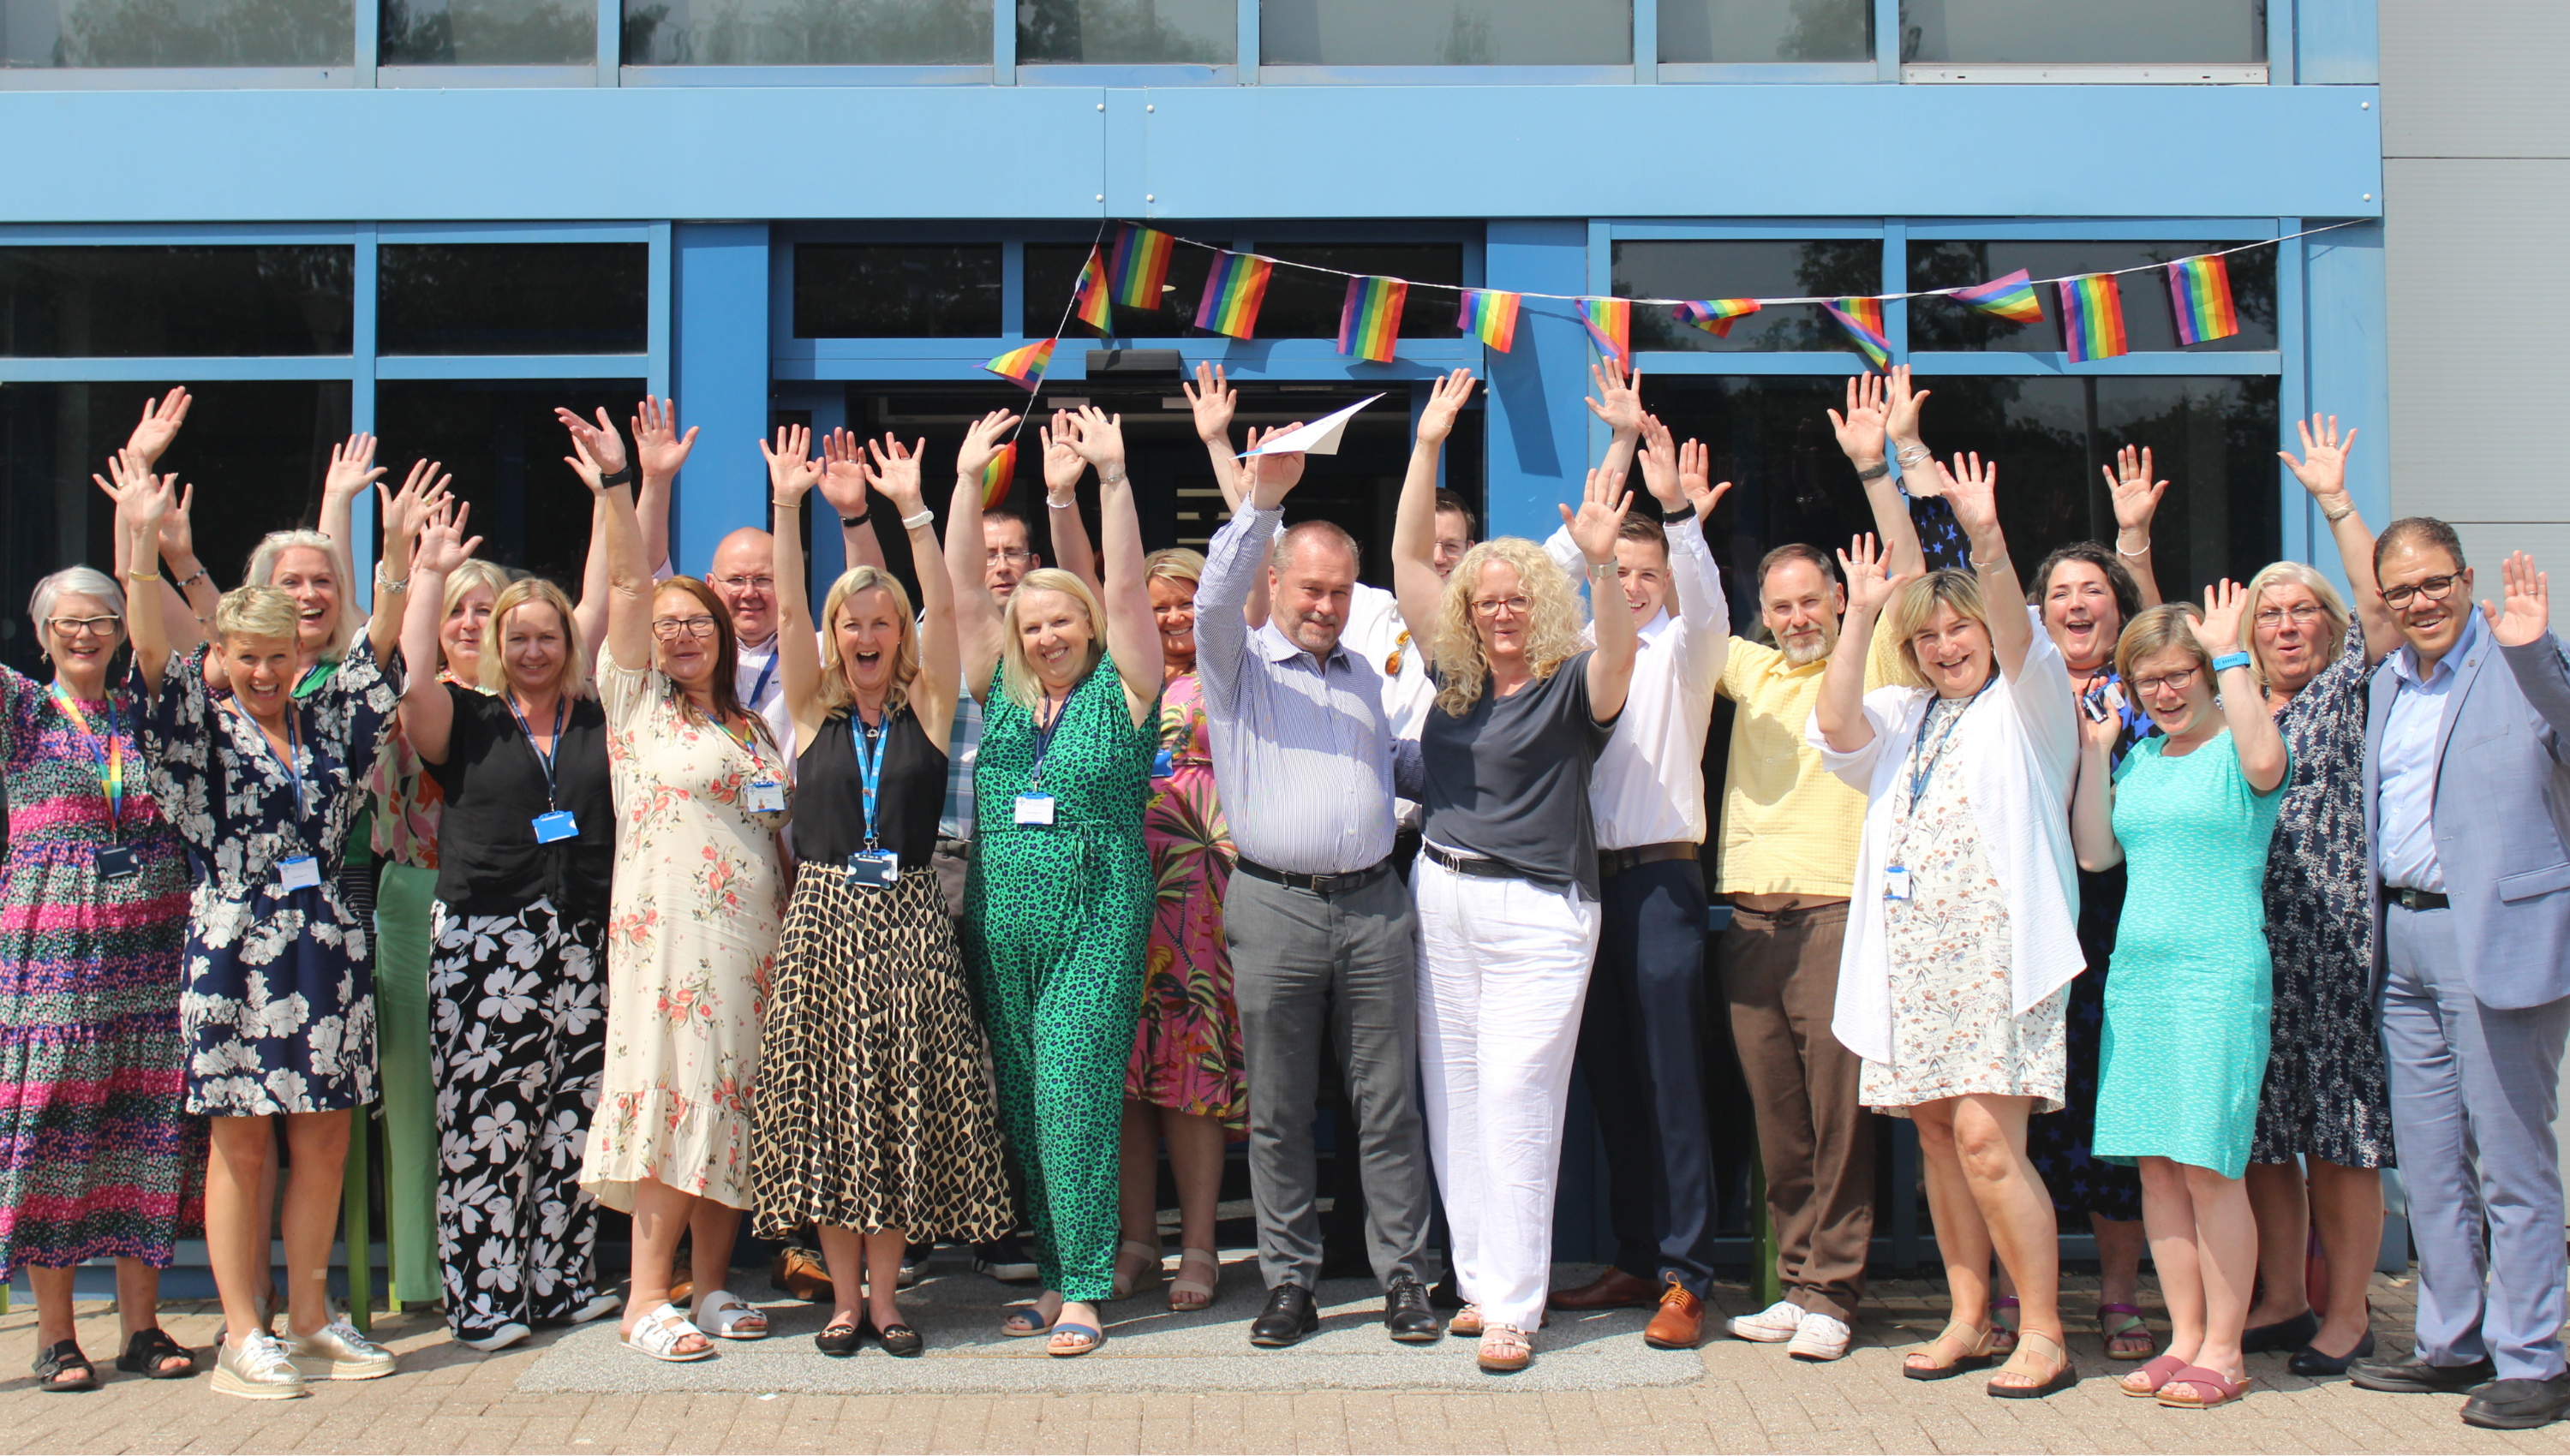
1601,570
1053,504
2345,509
2132,556
191,578
2230,660
1674,516
1874,472
623,477
851,523
1105,479
914,523
1914,455
133,575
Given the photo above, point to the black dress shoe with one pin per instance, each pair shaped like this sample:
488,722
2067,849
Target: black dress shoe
1291,1314
2518,1405
2411,1375
1407,1314
2310,1362
2283,1334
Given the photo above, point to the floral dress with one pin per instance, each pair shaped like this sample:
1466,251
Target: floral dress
1187,1050
699,901
279,1006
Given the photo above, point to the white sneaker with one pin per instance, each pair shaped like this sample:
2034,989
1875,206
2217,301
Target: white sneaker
1771,1325
256,1368
1820,1338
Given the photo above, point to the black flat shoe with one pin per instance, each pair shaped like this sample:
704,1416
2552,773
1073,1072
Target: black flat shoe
147,1354
900,1340
62,1355
2283,1335
1291,1314
2411,1375
840,1340
2310,1362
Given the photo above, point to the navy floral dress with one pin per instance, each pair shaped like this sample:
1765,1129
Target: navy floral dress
279,1010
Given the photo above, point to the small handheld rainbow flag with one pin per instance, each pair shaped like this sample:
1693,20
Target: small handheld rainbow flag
1140,265
1490,316
1370,321
999,475
1027,365
2092,317
2010,297
1862,320
1089,304
1716,316
2201,290
1233,289
1609,322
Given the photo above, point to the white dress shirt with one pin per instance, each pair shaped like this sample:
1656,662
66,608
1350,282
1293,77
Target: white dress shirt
1375,633
759,681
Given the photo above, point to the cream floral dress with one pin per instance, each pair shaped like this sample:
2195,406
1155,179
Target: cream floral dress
691,947
1951,1029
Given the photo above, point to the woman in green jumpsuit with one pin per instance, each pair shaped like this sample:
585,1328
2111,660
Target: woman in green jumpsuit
1059,901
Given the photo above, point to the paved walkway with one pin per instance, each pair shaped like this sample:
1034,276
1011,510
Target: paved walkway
1745,1398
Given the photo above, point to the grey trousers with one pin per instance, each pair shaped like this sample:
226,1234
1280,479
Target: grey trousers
2474,1093
1304,966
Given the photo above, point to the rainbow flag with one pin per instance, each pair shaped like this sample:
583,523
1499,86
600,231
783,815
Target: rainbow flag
2092,317
1027,366
1089,304
1370,321
1609,322
1234,288
999,475
2011,298
2201,289
1862,320
1140,265
1490,316
1716,316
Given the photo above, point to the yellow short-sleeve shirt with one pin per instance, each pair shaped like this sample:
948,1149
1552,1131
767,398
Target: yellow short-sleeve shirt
1789,825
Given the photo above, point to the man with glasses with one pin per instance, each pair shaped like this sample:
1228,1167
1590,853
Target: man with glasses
743,576
2467,813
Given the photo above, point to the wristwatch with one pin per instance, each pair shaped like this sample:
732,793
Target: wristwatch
1681,513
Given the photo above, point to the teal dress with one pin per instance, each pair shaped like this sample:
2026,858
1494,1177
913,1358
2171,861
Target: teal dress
2187,1009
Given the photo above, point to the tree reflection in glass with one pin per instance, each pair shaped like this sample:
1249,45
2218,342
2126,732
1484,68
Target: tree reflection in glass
807,32
157,33
1128,32
488,33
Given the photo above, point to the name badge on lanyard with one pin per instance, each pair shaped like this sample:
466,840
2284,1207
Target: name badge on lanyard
553,825
764,795
1034,807
1895,882
298,871
301,873
872,867
115,860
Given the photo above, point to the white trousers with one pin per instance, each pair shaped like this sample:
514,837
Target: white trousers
1503,973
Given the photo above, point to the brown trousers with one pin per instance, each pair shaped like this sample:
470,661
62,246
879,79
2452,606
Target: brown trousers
1780,974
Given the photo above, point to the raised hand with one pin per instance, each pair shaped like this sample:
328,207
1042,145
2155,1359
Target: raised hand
402,511
1213,401
2218,631
352,469
442,547
843,473
2323,468
896,471
1902,405
1860,430
982,442
1063,464
132,482
1604,504
2527,615
179,529
1971,489
1659,459
1445,401
1272,476
149,498
1100,439
2137,496
792,469
599,441
2099,734
159,425
1622,407
659,448
1869,589
585,464
1695,478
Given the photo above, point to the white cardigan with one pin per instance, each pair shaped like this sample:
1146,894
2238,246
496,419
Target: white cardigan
2017,748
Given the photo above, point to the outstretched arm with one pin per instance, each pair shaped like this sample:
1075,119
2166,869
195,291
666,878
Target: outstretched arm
2323,472
843,485
1063,464
1603,504
1900,406
2243,709
1413,524
143,502
404,511
629,575
978,623
1620,408
2092,799
2136,500
895,477
427,713
154,433
1212,401
791,474
659,451
1841,708
1971,488
352,469
1675,477
2523,629
1132,635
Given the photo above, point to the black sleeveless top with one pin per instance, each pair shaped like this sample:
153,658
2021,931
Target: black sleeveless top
830,798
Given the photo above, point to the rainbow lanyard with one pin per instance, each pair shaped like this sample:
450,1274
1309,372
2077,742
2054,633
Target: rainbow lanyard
109,755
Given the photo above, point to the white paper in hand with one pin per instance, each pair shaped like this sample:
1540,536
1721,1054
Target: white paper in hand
1321,437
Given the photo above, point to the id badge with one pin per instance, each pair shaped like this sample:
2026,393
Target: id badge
556,826
874,869
301,873
1034,809
1163,764
1896,882
764,796
119,861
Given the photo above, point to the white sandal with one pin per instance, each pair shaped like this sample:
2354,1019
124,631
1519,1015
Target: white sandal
657,1334
1201,1289
727,1315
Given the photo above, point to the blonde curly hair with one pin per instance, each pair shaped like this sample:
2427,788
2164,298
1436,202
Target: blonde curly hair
1552,620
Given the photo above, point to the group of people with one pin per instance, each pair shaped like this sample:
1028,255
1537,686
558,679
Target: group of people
915,920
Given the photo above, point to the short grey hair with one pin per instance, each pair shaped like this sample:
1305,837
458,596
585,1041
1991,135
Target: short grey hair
1328,531
75,581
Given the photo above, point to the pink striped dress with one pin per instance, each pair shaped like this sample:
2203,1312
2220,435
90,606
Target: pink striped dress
98,1156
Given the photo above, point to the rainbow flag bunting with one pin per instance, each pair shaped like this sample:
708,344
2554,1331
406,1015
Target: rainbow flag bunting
2092,317
999,475
1089,304
2011,298
1490,316
1371,320
1140,265
1862,320
1026,366
1233,289
1716,316
1609,322
2201,289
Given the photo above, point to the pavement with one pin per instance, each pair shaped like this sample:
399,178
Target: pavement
1194,1384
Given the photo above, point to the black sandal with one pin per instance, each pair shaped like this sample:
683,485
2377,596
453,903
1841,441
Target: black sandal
146,1351
840,1340
900,1340
61,1355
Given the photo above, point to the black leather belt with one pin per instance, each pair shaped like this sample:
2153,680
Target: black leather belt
1472,865
2416,900
1616,862
1318,884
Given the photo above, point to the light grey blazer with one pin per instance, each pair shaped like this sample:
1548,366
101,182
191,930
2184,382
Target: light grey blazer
2501,817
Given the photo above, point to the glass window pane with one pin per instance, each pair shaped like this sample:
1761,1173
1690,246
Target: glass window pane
1749,31
82,33
513,298
254,452
1771,269
119,302
807,32
488,33
503,446
911,290
2064,32
1053,270
1305,305
2150,317
1130,31
1454,32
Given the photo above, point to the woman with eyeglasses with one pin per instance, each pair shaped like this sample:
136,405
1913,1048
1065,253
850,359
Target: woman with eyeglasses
2323,1131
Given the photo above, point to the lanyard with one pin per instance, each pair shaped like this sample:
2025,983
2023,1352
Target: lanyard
110,756
869,769
544,759
1043,737
758,689
747,739
1920,775
293,752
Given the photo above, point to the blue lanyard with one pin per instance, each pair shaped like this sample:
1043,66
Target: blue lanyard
1044,736
544,759
869,769
758,689
1920,775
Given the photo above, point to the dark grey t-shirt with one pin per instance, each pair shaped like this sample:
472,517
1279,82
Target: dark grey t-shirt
1508,780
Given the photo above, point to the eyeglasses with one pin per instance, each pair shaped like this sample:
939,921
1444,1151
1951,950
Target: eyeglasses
671,628
1512,605
2149,687
2431,587
2275,616
746,583
1013,559
73,626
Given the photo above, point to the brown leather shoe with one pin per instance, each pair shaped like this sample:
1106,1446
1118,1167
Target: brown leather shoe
1613,1290
799,1272
1680,1323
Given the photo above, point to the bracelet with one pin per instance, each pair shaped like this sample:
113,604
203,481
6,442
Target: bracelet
132,575
1053,504
1601,570
1914,455
386,583
914,523
191,578
1104,479
851,523
1874,472
2132,556
623,477
1981,566
2230,660
2341,514
1677,514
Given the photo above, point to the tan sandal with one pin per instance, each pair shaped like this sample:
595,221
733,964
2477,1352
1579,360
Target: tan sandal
2005,1385
1187,1295
1972,1352
1137,1268
1505,1350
